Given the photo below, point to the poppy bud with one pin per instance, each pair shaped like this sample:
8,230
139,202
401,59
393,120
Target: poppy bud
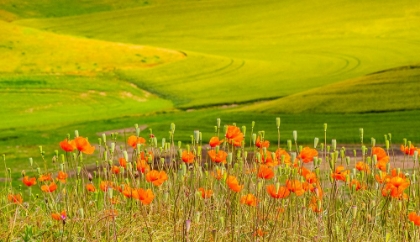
62,166
354,211
252,124
76,133
110,192
289,145
222,221
229,158
364,150
278,122
81,212
104,137
218,122
245,154
328,148
405,142
197,216
172,127
325,127
31,161
244,130
112,148
373,141
78,170
348,160
90,176
361,134
387,144
334,144
316,140
300,148
295,135
254,138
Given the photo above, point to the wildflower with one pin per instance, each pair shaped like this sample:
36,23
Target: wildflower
127,191
29,181
234,135
340,173
105,185
356,184
145,196
362,166
395,187
413,217
265,172
218,174
59,216
315,204
122,162
259,233
134,140
187,157
249,200
205,193
233,184
49,188
115,169
282,191
307,154
261,144
382,177
280,152
156,177
214,141
142,166
309,176
90,187
381,157
67,146
15,198
45,177
220,157
295,186
408,150
83,145
62,176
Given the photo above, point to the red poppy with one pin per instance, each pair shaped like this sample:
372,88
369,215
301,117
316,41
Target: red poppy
62,176
261,144
408,150
307,154
205,193
122,162
83,145
233,184
15,198
49,188
356,184
309,176
340,173
134,140
145,196
362,166
234,135
265,172
280,152
29,181
395,187
90,187
142,166
67,145
45,177
220,157
156,177
105,185
218,174
187,157
295,186
382,177
249,200
214,141
115,169
414,218
282,191
59,216
315,204
381,157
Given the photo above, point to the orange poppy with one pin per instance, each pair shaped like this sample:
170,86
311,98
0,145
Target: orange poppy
205,193
29,181
15,198
83,145
218,174
62,176
214,141
295,186
309,176
115,170
249,200
45,177
90,187
220,157
234,135
413,217
267,159
307,154
147,156
280,152
233,184
340,173
122,162
49,188
408,150
395,187
282,192
381,157
362,166
134,140
187,157
356,184
59,216
156,177
67,145
145,196
382,177
261,144
314,204
142,166
265,172
127,191
105,185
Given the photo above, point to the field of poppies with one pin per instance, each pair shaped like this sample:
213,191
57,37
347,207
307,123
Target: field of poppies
236,186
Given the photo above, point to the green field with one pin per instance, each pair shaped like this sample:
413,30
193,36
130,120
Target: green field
103,65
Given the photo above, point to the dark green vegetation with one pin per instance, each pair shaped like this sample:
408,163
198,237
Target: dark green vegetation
102,65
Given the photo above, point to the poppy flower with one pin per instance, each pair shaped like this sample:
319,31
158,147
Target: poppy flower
156,177
83,145
395,187
187,157
362,166
49,188
122,162
265,172
220,157
381,157
214,141
90,187
105,185
115,170
408,150
295,186
413,217
15,198
134,140
280,153
356,184
127,191
218,174
59,216
340,173
45,177
261,144
282,192
29,181
309,176
147,156
259,233
382,177
315,204
67,146
142,166
307,154
234,135
145,196
249,200
205,193
62,176
233,184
